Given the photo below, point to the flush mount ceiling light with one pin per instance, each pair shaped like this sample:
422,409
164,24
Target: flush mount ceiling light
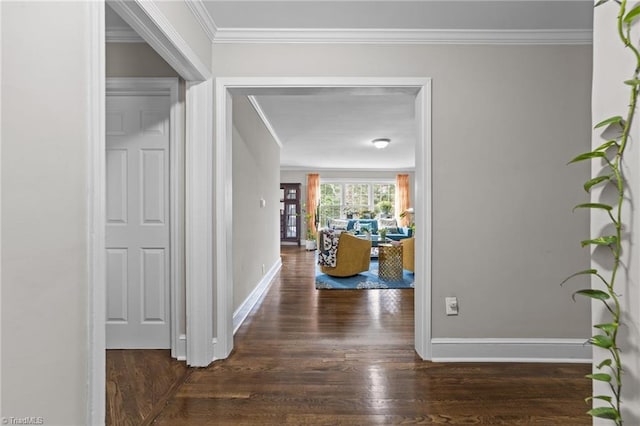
381,142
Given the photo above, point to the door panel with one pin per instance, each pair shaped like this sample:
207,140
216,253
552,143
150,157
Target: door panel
138,283
117,285
117,186
153,186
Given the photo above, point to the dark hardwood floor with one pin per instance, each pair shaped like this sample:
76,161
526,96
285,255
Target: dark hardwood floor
341,357
139,383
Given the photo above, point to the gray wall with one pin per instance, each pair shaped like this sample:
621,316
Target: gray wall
45,243
506,119
256,230
135,60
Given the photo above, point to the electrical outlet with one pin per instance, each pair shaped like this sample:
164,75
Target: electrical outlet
263,269
451,305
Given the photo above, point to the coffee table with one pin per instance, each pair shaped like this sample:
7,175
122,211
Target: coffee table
390,262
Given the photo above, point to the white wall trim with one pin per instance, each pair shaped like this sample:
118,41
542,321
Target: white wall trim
265,120
223,197
122,35
223,144
177,189
203,17
166,86
511,350
254,297
96,216
423,219
182,348
199,222
151,24
401,36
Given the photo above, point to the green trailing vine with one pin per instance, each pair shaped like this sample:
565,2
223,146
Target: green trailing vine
611,154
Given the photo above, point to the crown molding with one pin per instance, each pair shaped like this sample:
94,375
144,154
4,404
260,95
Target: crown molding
265,120
204,18
122,35
153,26
399,36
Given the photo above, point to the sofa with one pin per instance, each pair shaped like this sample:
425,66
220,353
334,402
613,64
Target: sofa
358,226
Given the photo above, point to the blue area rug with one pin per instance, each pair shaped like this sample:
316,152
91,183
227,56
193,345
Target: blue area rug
364,280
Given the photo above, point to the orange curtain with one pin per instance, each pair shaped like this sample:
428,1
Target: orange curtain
402,198
313,196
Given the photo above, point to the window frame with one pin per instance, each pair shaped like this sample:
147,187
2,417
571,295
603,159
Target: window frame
370,182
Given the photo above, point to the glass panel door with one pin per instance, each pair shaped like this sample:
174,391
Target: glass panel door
291,219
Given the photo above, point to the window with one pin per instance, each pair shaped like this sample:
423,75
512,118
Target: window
356,200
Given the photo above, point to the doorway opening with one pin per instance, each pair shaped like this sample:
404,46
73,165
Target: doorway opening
144,168
226,88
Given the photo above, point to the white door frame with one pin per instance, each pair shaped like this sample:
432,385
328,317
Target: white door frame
157,31
223,197
167,86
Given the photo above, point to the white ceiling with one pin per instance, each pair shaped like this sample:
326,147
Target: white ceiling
334,130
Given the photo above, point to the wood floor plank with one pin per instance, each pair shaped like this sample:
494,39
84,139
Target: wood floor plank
346,357
139,383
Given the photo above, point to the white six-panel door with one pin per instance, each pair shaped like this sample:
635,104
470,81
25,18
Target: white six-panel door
138,233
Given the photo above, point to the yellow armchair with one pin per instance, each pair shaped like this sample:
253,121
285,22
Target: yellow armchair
353,256
408,253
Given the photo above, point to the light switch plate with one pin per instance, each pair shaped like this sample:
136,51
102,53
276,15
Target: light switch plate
451,305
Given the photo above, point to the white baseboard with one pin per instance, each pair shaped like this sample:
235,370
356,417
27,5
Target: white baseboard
243,310
181,350
510,350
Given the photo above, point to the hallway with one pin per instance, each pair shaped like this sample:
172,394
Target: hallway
346,357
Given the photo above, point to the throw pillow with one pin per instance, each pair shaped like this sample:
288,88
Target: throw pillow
387,223
340,224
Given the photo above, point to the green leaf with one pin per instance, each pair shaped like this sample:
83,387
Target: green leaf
585,272
593,182
605,363
594,206
610,120
633,82
594,294
600,2
606,145
601,241
608,328
600,397
601,377
609,413
633,14
588,156
601,341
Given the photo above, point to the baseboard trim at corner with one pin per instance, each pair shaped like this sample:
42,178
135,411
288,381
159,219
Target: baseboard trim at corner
511,350
245,308
181,350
